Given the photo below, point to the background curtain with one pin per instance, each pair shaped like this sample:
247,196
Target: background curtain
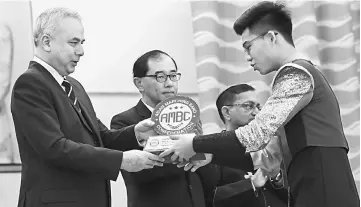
328,32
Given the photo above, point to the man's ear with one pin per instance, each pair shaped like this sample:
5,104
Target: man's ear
138,83
272,36
225,113
45,42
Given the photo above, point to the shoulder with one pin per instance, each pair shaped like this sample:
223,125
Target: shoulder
292,73
30,78
124,116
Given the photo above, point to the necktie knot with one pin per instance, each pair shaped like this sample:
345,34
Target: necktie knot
67,86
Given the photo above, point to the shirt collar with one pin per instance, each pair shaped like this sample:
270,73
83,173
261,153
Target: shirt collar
149,107
51,70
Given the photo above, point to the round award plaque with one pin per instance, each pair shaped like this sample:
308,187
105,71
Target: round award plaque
176,115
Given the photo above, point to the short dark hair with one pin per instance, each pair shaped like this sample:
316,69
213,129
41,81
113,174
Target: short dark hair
141,67
266,16
228,96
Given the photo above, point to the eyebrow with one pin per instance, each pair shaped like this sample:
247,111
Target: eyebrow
78,40
157,72
249,101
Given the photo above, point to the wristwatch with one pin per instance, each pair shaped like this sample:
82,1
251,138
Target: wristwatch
277,178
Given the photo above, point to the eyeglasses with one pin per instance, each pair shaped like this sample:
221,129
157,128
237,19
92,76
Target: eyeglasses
248,44
161,77
248,106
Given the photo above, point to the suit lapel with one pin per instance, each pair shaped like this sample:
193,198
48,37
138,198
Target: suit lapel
90,121
84,117
143,111
80,115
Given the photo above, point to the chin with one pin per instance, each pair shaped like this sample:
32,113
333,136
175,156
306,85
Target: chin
70,70
167,95
264,72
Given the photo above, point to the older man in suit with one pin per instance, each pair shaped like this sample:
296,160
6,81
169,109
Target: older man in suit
68,156
156,77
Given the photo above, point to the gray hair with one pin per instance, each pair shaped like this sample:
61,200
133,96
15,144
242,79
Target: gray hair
48,21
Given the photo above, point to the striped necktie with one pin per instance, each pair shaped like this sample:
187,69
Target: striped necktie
71,94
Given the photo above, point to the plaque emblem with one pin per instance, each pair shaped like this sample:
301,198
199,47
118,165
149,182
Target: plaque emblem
154,143
176,115
173,116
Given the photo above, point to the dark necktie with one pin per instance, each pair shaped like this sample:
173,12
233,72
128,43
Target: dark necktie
71,94
73,99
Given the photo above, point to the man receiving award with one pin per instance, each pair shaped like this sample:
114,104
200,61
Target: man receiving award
301,101
156,76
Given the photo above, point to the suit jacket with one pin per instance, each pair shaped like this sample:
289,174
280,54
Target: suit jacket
234,190
161,186
231,189
64,162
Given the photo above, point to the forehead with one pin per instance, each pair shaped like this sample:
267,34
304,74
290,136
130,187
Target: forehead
247,35
246,96
161,64
70,28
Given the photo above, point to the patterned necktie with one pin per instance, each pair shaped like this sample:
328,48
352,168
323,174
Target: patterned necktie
71,94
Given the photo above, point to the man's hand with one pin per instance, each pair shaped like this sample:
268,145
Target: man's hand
258,179
136,160
182,149
269,158
194,165
143,130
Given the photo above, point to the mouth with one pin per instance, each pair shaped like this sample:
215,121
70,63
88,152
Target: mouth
168,93
75,63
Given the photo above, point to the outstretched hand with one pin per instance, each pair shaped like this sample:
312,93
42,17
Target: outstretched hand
182,148
144,129
136,160
195,164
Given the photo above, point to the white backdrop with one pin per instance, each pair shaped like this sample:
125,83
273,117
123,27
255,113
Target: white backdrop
118,32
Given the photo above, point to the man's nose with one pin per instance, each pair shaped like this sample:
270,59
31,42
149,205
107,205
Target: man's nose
79,50
168,82
249,58
255,111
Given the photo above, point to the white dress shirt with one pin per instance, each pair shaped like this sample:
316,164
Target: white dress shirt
149,107
59,79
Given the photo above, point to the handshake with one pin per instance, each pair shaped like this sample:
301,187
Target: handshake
137,160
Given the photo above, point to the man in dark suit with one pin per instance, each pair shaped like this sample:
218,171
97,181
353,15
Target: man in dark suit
237,106
156,77
68,156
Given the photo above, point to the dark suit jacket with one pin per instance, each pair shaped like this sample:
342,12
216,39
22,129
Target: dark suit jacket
64,162
161,186
231,189
234,190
